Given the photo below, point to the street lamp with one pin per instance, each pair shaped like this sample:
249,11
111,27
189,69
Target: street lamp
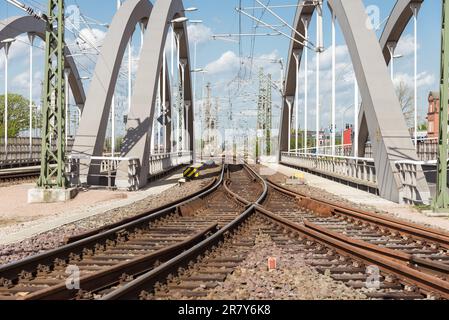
7,44
296,55
397,56
415,6
191,9
180,20
67,106
195,71
31,37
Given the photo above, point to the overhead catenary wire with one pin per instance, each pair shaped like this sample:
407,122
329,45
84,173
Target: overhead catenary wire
285,23
276,30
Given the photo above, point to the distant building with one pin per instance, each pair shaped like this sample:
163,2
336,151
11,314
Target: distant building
433,115
348,135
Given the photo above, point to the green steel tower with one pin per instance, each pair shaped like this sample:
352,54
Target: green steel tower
264,114
53,113
268,116
441,201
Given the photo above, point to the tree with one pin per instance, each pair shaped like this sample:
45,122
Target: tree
406,98
422,127
18,115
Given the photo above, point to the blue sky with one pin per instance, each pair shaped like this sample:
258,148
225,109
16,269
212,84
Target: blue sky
221,58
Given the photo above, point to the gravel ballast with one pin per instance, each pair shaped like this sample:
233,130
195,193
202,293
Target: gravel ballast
292,280
55,238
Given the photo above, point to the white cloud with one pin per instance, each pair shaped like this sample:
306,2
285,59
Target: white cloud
341,54
228,61
20,83
88,39
424,79
406,45
19,49
199,33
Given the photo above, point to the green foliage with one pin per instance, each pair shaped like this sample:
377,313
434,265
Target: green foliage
422,127
18,115
406,97
118,144
310,141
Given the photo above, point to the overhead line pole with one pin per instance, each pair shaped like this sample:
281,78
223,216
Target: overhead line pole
52,174
319,37
441,200
53,128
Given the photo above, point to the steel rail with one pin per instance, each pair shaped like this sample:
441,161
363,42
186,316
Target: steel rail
404,227
389,261
408,259
11,271
415,231
408,275
213,185
148,280
8,177
111,276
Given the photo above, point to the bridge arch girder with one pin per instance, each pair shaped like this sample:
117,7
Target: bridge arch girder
382,114
141,117
15,26
395,26
92,131
305,11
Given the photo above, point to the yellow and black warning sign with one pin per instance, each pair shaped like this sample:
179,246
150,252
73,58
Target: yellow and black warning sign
192,172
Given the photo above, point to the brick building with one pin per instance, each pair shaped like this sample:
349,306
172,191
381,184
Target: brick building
433,115
348,135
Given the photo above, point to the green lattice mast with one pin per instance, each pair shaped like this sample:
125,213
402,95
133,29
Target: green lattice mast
260,114
53,113
441,201
268,116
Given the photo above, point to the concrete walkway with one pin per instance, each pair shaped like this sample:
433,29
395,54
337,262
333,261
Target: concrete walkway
357,196
20,220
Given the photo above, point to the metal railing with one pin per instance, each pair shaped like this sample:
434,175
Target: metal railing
19,153
359,170
427,150
108,167
407,171
78,172
162,162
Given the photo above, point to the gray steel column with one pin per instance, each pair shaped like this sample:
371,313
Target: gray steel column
394,28
391,139
302,12
142,110
92,131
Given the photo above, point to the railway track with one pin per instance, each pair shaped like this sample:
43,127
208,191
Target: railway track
185,253
355,262
425,248
121,252
10,176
